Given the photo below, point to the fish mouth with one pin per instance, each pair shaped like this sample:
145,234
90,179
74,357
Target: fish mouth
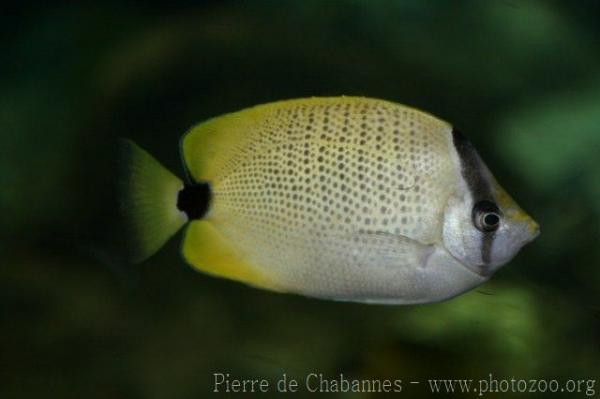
526,224
534,230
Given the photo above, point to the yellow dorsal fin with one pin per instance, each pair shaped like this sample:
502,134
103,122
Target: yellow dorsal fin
214,147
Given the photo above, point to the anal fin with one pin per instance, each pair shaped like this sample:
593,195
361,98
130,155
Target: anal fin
205,248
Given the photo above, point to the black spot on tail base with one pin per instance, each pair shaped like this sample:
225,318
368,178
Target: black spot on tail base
194,200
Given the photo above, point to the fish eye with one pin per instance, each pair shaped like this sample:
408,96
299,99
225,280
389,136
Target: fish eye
486,216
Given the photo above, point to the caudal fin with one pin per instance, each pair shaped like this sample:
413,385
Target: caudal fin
148,203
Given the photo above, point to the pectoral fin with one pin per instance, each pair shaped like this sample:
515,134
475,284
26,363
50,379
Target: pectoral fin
392,250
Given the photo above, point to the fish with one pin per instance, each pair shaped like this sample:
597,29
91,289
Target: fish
340,198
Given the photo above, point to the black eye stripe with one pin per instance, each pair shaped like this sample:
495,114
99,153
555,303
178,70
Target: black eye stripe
486,206
472,170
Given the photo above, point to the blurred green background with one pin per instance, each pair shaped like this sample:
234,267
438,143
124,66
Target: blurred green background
520,78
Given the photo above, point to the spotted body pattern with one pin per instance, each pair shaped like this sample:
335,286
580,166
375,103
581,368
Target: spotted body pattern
317,193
